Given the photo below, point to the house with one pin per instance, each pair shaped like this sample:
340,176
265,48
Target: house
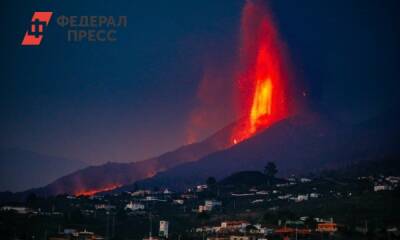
378,188
294,222
304,218
234,225
104,206
257,201
207,229
285,231
393,180
152,238
70,231
209,205
361,229
96,197
140,193
150,198
328,227
262,192
242,238
134,206
305,180
200,188
69,234
163,232
322,220
59,236
85,235
153,199
178,201
292,179
166,191
188,196
282,197
203,208
19,210
393,231
263,230
242,194
314,195
300,198
274,208
212,203
279,185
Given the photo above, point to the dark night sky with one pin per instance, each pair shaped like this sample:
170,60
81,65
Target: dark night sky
129,100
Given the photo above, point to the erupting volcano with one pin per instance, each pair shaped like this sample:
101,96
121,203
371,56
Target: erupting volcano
263,73
257,79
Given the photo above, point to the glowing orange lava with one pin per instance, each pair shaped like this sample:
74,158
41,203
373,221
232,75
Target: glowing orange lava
263,76
92,192
261,103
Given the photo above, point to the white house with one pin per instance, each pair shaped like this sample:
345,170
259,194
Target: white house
200,188
282,197
262,192
378,188
178,201
300,198
305,180
209,205
163,232
20,210
257,201
166,191
314,195
134,206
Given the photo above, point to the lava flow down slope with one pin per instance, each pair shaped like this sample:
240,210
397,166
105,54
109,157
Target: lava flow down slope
106,177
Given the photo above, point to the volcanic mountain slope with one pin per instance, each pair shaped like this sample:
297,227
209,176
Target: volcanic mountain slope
108,176
300,144
22,169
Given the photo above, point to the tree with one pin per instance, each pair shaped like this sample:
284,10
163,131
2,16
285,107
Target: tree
250,228
32,200
270,170
136,187
211,181
310,222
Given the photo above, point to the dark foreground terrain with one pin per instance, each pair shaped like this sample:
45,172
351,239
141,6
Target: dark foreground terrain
361,201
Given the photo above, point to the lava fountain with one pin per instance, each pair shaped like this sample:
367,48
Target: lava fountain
262,78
